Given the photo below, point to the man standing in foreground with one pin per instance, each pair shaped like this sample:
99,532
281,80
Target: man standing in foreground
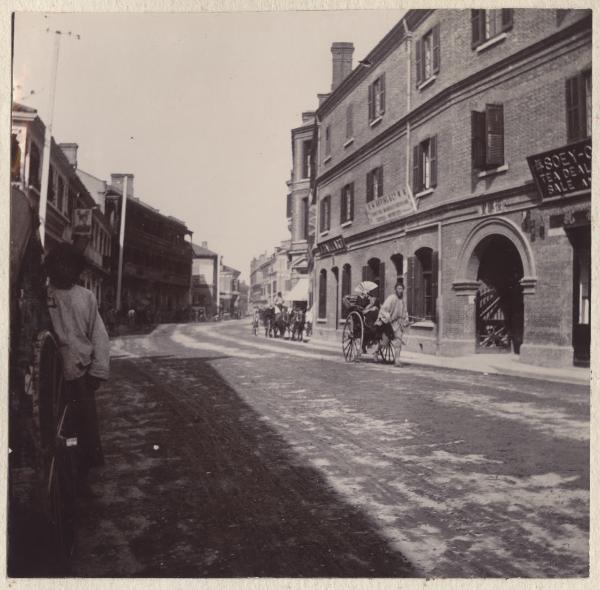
84,347
393,319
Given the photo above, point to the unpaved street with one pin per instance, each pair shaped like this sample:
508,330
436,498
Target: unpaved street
233,455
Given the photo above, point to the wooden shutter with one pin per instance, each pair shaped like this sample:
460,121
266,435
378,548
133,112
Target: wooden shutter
323,294
433,160
494,118
382,95
417,174
436,48
343,208
573,109
477,27
351,202
507,18
410,286
381,282
380,181
419,60
365,273
434,282
369,186
349,122
371,103
478,139
328,212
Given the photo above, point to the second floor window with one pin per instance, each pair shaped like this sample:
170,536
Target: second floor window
306,147
327,141
375,183
347,203
487,24
377,98
349,122
325,214
579,106
487,137
428,55
425,165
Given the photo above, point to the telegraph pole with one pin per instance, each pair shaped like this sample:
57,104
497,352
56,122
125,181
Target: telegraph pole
121,242
48,142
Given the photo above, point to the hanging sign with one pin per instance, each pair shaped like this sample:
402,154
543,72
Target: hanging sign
391,206
82,222
560,172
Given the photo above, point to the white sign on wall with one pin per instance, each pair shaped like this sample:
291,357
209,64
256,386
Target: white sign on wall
391,206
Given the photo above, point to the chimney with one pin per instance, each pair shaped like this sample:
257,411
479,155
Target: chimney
205,244
118,180
341,52
70,150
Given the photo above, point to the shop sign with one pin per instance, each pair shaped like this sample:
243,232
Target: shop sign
334,245
391,206
82,222
563,171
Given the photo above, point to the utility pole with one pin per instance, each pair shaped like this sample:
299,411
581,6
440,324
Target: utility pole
121,242
48,136
48,142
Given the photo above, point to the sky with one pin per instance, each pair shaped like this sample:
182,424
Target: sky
199,107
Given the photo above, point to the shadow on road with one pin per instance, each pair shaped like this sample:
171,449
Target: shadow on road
197,484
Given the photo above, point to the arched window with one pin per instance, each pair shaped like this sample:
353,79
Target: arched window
346,285
398,262
323,294
375,271
422,288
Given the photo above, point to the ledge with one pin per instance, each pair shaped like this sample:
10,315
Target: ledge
324,233
349,142
375,121
423,325
347,223
424,193
491,42
321,320
492,171
427,82
327,159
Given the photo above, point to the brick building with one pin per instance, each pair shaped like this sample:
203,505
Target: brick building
157,258
72,212
422,175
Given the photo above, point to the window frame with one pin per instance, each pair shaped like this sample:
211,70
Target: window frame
488,138
481,24
431,40
325,214
425,161
375,181
347,203
577,105
322,302
376,99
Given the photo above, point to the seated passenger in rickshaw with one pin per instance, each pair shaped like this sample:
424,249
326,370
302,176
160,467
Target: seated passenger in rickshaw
365,302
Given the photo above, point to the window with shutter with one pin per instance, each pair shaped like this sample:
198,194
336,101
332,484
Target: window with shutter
382,95
494,115
506,18
417,175
433,161
365,273
419,61
380,181
434,282
487,24
578,106
477,27
478,143
436,49
323,294
371,110
343,205
410,286
369,186
327,140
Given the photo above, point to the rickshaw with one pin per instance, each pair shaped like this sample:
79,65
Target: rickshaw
41,511
357,336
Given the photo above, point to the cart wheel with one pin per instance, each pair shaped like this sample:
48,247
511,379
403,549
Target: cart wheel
387,352
352,336
54,433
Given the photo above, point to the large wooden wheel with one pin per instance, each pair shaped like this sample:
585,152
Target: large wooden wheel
386,351
56,444
352,336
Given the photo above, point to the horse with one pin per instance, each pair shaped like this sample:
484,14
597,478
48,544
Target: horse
281,321
267,317
297,321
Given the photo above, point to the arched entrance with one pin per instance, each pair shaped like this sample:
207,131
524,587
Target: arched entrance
499,299
375,271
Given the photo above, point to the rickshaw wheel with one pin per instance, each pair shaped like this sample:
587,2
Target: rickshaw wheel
387,352
352,336
55,437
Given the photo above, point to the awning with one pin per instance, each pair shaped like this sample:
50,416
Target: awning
299,291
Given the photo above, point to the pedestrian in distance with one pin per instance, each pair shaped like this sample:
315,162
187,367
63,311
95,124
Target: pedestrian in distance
84,348
393,320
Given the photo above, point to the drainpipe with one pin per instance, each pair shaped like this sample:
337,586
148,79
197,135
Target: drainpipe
408,35
439,300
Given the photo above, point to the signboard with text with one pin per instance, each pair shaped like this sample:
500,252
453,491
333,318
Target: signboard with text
563,171
336,244
391,206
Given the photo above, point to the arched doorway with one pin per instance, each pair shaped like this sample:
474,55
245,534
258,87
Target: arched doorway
499,299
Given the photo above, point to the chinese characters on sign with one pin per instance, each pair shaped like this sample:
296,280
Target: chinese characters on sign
563,171
391,206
